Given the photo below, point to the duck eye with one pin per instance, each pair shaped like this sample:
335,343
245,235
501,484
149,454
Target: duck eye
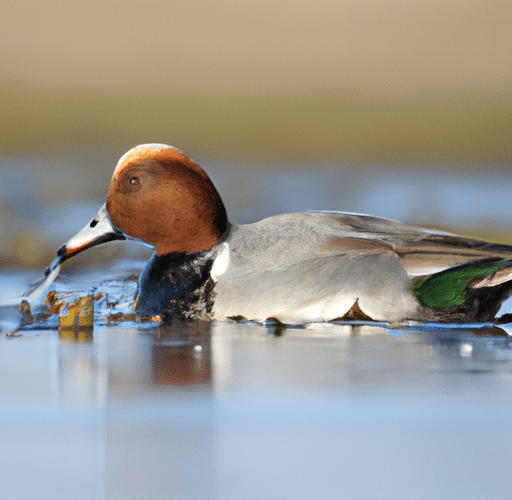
134,182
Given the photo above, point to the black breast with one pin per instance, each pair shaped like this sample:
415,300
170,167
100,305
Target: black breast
176,285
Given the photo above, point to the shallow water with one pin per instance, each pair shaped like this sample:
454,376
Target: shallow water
228,411
214,410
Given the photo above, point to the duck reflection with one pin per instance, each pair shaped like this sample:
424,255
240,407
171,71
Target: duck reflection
181,354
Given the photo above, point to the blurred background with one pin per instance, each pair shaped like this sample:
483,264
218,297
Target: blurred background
403,109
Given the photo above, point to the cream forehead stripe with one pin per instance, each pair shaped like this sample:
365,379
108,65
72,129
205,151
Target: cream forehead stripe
140,151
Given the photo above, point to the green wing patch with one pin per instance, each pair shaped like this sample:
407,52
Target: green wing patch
445,289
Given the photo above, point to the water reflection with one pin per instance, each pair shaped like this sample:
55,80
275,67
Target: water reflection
181,350
182,354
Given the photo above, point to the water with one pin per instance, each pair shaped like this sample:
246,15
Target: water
218,410
231,411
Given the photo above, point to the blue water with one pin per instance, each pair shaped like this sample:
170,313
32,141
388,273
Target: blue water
231,411
228,411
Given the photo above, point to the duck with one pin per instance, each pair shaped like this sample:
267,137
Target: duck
293,268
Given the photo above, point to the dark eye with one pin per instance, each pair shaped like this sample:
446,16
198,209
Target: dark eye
134,182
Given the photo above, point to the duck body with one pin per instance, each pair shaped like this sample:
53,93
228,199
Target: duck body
294,268
288,267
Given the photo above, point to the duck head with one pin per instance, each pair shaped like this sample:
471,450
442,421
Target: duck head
159,197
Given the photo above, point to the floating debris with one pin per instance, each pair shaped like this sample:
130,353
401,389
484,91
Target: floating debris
78,315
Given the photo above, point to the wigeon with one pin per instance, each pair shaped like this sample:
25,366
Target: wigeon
294,268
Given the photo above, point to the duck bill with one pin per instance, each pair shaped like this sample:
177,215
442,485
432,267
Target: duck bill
100,230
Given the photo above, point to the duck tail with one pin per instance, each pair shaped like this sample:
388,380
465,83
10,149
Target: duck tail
469,292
